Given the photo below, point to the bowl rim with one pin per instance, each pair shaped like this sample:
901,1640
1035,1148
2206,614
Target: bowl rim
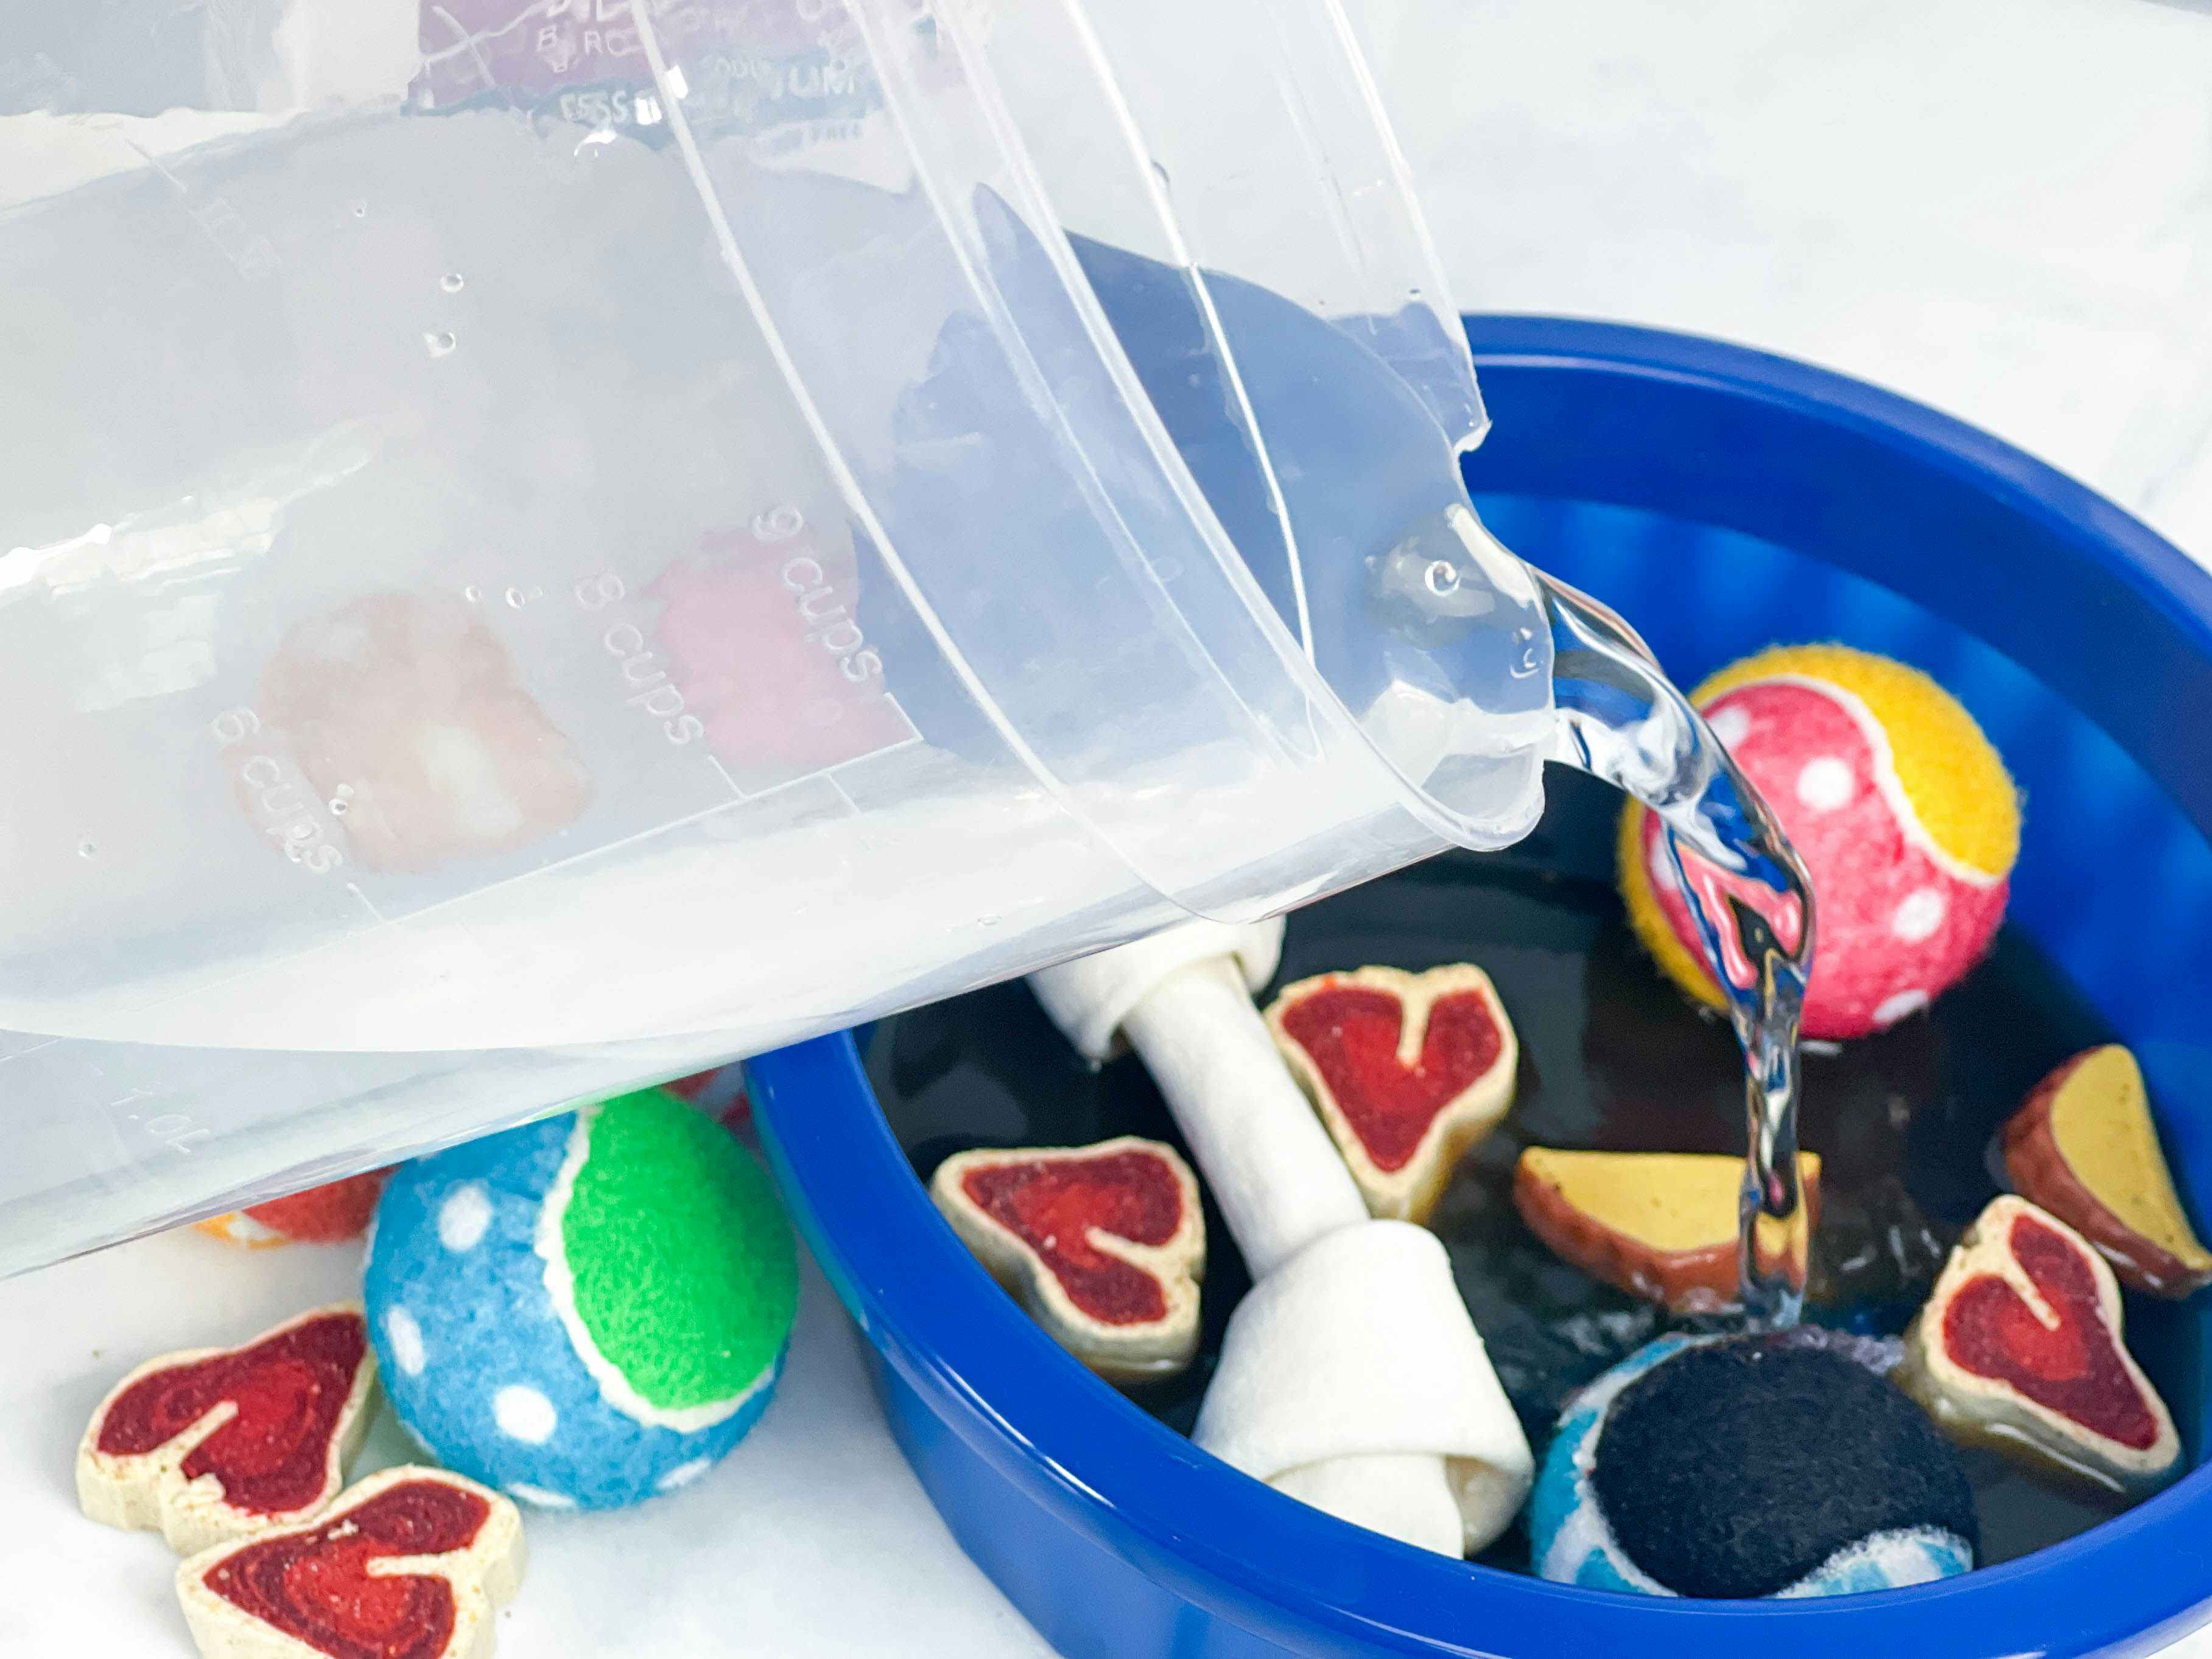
1237,1549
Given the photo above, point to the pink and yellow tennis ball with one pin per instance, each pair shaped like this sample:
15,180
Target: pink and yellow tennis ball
1904,815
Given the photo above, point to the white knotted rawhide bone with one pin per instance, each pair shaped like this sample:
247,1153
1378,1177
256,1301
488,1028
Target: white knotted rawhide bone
1350,1377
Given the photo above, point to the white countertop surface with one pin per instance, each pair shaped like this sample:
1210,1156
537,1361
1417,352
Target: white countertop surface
2001,207
811,1538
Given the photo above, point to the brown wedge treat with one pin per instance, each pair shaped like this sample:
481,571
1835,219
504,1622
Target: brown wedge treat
2084,1147
1660,1225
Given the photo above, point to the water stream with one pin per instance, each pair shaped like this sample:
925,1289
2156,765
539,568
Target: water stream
1621,719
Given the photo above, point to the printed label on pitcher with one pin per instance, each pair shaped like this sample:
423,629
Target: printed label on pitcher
757,68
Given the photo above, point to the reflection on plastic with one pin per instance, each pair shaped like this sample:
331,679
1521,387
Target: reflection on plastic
768,655
404,713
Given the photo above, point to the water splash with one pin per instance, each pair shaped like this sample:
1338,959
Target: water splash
1622,721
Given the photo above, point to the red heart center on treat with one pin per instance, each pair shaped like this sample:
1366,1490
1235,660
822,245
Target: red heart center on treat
1352,1033
273,1455
2076,1370
1052,1205
325,1215
316,1587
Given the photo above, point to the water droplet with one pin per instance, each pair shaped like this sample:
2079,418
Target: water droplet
341,798
441,343
1526,658
1161,173
473,592
986,921
451,282
1413,293
517,598
360,210
86,849
1441,578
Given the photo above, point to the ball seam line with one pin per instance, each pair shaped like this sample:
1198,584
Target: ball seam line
1884,774
561,1287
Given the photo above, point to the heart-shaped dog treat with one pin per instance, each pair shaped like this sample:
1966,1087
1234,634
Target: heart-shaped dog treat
409,1564
1660,1226
1103,1244
220,1444
332,1214
1407,1070
2020,1348
2084,1147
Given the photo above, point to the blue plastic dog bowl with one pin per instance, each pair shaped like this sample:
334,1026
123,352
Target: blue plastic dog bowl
1722,499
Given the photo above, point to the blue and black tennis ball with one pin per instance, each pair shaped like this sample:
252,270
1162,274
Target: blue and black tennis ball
1783,1465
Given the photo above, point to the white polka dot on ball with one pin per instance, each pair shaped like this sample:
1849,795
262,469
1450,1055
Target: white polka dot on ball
405,1338
1919,915
1892,1009
1731,727
463,1216
1827,783
524,1414
685,1474
522,1493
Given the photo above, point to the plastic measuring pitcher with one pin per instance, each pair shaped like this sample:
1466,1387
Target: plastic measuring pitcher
653,531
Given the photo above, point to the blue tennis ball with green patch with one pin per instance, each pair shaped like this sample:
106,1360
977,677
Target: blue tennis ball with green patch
587,1311
1781,1465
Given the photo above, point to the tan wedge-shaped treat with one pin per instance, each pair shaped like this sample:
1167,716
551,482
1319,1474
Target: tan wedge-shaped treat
1660,1225
2084,1147
1407,1070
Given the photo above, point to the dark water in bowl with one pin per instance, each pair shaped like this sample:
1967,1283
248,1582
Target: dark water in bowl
1611,1057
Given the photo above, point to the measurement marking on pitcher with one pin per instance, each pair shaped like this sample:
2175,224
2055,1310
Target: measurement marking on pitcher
250,254
912,731
176,1131
828,774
